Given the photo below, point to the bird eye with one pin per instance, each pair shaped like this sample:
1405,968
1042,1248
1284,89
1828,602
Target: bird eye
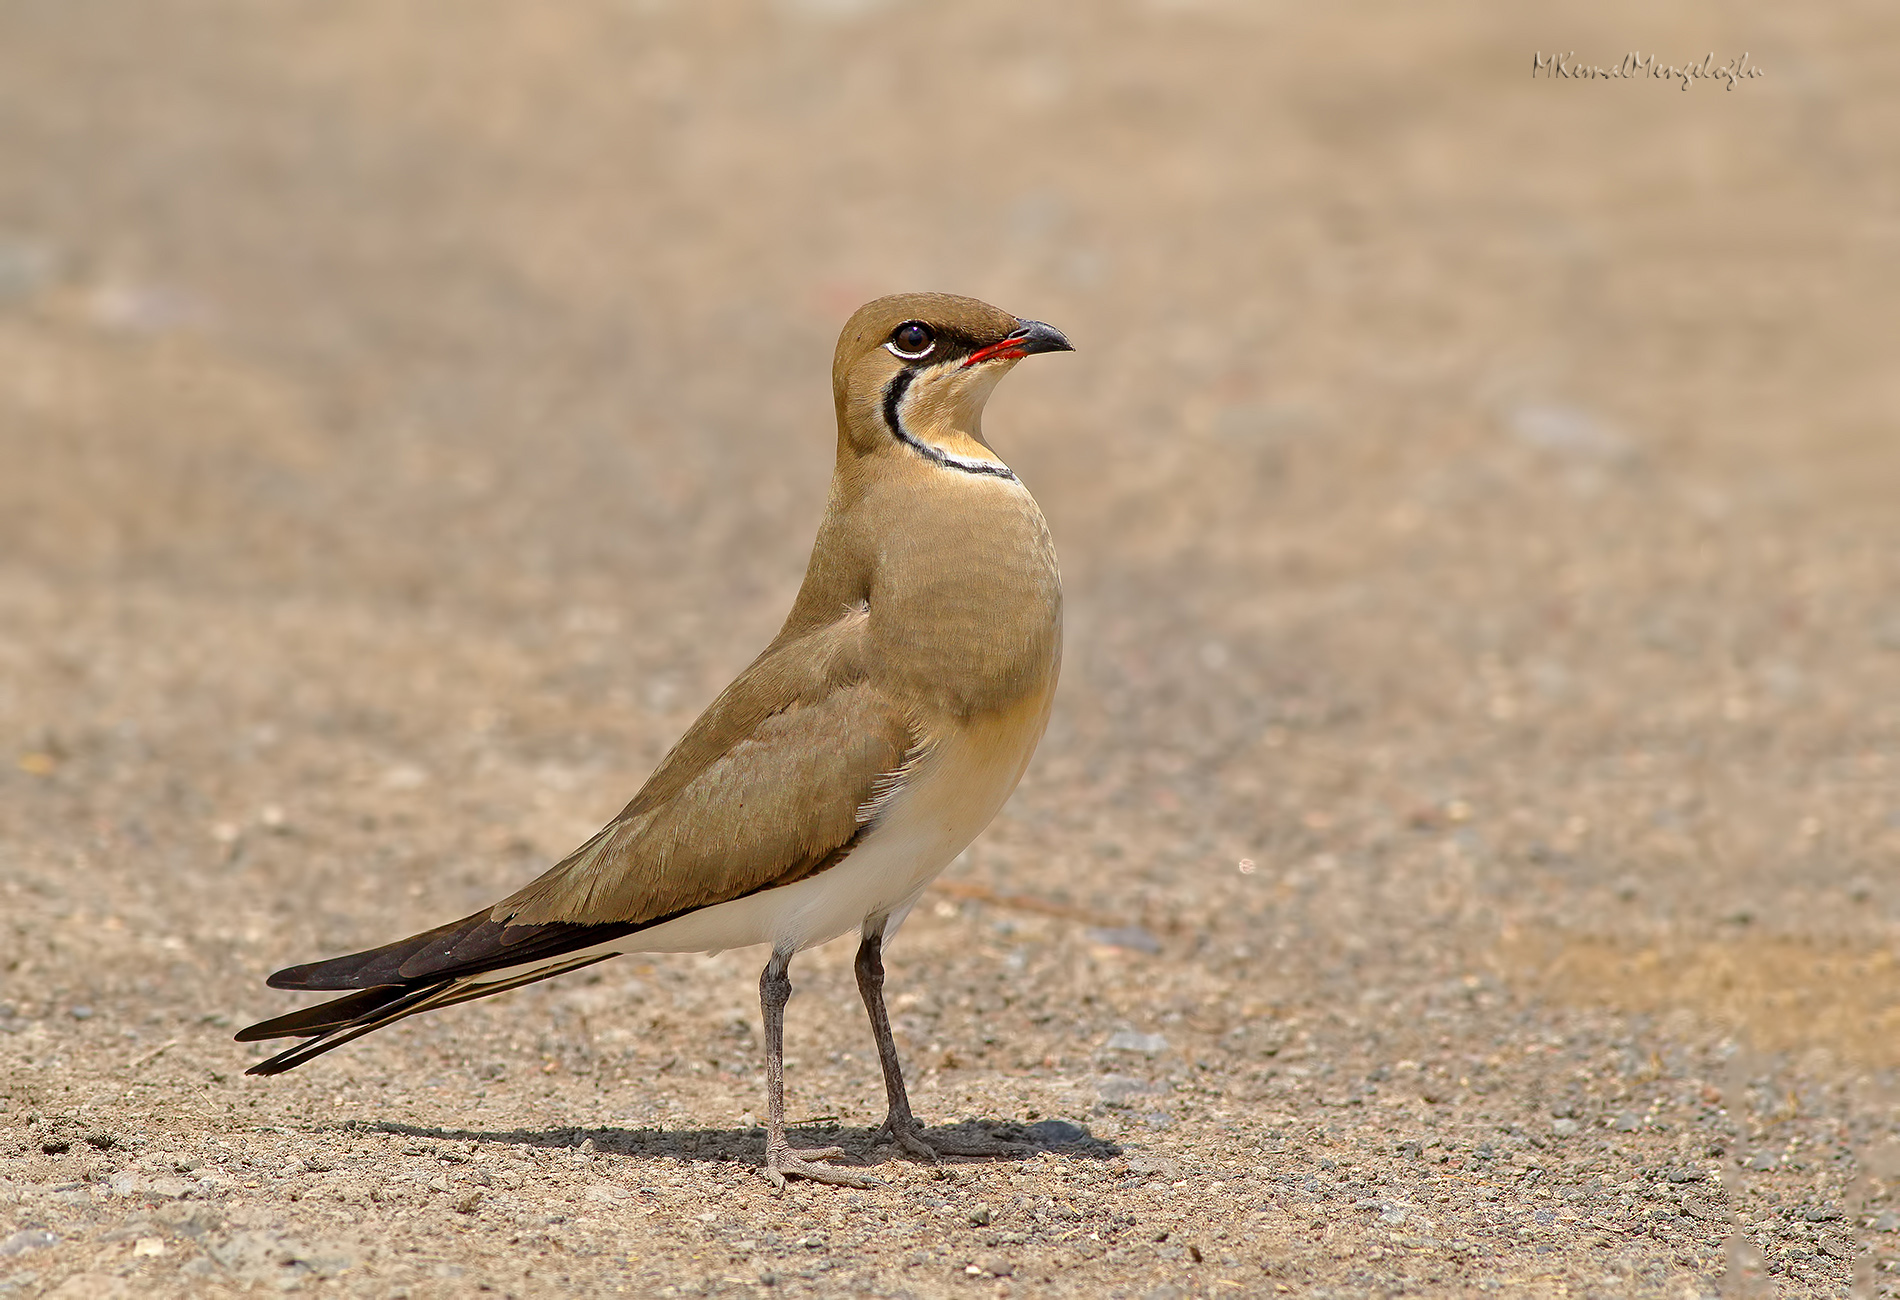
912,339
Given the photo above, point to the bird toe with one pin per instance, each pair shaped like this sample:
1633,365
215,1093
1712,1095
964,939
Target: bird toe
787,1163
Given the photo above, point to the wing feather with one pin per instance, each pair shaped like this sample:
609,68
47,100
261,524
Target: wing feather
777,781
769,787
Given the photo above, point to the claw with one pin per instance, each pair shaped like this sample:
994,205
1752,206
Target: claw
786,1162
909,1134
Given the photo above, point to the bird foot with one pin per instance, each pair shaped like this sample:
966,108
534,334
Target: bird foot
908,1133
784,1162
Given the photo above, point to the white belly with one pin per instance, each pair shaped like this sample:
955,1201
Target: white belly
949,801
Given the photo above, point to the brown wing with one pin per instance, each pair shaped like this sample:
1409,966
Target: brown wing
781,802
766,788
775,782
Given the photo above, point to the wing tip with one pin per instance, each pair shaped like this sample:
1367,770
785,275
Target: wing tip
291,977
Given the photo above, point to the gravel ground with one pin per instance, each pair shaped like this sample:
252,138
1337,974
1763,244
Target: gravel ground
1466,854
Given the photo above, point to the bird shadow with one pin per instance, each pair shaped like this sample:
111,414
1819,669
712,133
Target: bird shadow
1012,1140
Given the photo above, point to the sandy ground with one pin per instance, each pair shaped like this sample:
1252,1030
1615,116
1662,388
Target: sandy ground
1466,855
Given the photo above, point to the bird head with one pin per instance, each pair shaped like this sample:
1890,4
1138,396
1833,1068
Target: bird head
913,371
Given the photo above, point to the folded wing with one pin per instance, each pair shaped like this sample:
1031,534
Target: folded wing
775,782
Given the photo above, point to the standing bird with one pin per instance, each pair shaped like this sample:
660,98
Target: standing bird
874,738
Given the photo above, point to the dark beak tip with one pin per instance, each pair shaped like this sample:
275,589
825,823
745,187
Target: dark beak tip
1038,337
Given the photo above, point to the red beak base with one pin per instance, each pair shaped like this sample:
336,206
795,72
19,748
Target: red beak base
1029,337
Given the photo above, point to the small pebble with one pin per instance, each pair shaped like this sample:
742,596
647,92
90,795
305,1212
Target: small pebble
27,1239
1132,937
1118,1088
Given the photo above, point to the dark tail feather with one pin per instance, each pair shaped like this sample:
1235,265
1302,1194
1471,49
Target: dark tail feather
402,1002
345,1019
325,1016
436,968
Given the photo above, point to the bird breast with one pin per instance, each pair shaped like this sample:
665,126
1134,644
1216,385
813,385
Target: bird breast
965,604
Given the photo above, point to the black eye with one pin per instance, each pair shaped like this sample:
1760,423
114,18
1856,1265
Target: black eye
912,339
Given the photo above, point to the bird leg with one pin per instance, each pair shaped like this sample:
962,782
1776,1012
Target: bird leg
781,1161
900,1126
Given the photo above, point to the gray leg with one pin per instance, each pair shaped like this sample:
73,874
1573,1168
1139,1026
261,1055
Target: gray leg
900,1125
775,990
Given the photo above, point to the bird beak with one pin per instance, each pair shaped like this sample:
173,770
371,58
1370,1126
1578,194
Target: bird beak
1028,338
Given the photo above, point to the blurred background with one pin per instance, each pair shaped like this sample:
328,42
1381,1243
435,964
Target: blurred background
1478,494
